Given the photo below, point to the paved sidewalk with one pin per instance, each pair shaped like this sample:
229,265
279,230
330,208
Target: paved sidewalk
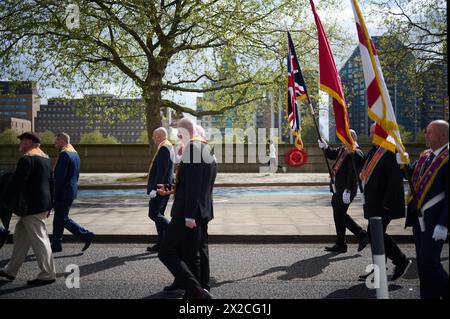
254,179
258,214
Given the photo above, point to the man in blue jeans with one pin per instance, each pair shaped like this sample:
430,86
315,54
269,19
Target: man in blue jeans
160,172
66,173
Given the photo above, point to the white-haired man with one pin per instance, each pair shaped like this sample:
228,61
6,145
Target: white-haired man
160,172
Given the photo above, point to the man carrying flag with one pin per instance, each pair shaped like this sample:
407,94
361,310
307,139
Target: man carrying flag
381,175
344,170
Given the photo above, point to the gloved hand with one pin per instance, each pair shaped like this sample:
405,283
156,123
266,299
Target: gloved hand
346,197
440,233
153,194
322,144
400,161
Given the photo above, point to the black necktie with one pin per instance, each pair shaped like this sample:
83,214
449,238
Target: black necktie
430,160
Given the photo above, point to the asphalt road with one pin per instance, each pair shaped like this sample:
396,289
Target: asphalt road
277,271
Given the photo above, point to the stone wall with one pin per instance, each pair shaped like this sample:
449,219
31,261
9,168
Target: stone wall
135,158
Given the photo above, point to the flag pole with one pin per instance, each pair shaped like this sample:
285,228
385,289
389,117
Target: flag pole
311,109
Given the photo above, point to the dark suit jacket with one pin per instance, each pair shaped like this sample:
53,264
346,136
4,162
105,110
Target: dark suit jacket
195,180
32,185
67,172
438,214
162,169
385,188
345,177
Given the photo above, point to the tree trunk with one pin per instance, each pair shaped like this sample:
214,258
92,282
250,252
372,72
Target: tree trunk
152,99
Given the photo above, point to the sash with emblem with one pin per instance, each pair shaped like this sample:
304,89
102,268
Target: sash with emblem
423,177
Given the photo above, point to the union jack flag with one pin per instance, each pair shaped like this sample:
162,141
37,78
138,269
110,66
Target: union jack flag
296,87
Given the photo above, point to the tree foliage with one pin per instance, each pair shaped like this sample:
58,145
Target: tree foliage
9,136
47,137
96,137
154,49
420,24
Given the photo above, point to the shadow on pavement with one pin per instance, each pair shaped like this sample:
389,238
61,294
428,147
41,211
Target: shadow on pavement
306,268
359,291
111,262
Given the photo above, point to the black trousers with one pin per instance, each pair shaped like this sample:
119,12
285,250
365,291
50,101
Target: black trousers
343,221
156,209
202,270
180,253
433,277
392,251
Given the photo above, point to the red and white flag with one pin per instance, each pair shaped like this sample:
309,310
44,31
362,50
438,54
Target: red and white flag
387,134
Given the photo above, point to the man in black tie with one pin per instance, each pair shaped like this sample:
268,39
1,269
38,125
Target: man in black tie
191,212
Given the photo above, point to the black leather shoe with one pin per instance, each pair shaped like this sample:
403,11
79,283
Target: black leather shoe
337,248
363,241
6,277
401,269
202,294
56,249
153,249
173,287
88,243
40,282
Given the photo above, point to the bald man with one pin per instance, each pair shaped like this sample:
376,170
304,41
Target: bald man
160,172
429,218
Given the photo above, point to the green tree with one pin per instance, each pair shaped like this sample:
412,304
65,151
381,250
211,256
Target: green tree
406,135
47,137
96,137
9,136
420,24
153,49
143,138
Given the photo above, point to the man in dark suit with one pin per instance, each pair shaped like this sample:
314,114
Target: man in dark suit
430,226
191,212
384,197
31,189
346,187
67,172
160,172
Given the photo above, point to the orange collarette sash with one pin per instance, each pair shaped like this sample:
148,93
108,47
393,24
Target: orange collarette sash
165,143
36,152
68,148
369,166
340,160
